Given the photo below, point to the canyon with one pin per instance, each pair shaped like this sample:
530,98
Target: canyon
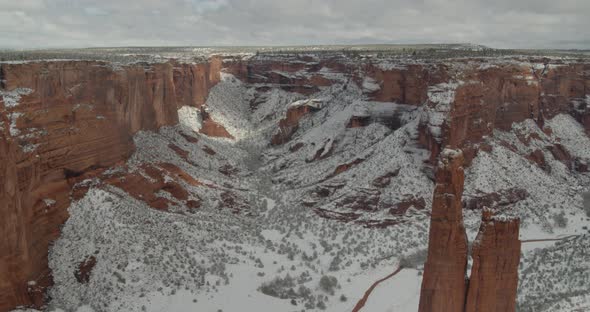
236,147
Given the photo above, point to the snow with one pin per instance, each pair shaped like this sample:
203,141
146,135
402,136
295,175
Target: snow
545,285
189,117
314,103
49,202
572,135
14,116
232,255
370,85
399,293
443,93
212,259
503,168
12,98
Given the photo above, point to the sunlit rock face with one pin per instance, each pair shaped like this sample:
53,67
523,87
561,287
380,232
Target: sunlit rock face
343,147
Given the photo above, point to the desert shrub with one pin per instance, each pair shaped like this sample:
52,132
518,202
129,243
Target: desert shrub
586,197
560,220
279,288
328,284
414,259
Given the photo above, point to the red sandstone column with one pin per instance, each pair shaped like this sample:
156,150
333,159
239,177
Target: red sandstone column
494,275
444,285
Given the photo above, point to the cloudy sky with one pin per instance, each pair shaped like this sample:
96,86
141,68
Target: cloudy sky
496,23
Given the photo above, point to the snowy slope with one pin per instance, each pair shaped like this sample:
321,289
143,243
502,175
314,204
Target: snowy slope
310,224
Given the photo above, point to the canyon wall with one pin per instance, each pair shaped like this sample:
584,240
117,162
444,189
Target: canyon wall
192,82
65,119
498,96
62,120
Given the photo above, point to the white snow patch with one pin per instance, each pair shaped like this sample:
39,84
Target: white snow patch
370,85
190,117
12,98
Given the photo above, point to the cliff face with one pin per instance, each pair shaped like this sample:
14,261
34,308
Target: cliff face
497,97
494,275
192,82
406,84
71,118
444,285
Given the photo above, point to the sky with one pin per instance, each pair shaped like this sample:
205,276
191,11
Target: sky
110,23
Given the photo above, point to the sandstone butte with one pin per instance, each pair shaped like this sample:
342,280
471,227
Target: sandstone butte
493,281
76,143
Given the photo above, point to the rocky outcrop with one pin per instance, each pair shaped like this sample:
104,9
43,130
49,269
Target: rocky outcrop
85,269
494,274
290,124
212,128
496,251
444,286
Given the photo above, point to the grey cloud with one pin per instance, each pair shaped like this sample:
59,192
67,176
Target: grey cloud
498,23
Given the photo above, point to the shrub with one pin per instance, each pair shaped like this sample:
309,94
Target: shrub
414,259
328,283
586,197
560,219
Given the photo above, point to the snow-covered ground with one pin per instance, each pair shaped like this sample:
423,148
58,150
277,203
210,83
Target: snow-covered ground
285,228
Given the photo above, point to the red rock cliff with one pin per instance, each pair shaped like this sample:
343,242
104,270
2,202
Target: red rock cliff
497,97
444,285
82,115
192,82
77,116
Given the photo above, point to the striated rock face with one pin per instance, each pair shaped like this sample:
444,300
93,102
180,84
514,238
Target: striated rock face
497,97
13,242
192,82
75,117
444,285
494,275
405,84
